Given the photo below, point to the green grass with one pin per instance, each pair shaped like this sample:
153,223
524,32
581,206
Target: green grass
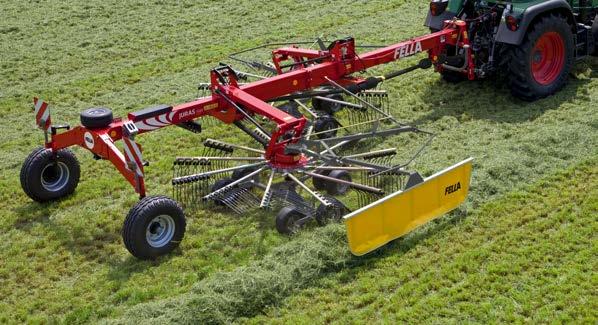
65,261
526,257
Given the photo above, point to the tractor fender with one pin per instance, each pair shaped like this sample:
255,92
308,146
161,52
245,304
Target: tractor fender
437,22
504,35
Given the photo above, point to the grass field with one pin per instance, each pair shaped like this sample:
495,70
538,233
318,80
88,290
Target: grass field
514,252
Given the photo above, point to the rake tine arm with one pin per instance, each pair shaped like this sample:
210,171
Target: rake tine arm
347,168
346,91
267,192
362,187
186,179
341,102
199,160
236,146
376,153
233,184
298,102
401,166
313,193
359,136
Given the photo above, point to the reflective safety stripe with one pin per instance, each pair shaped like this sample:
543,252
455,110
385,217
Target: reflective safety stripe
42,114
391,217
133,154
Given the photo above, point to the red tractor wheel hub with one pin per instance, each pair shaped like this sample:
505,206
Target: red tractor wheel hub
548,58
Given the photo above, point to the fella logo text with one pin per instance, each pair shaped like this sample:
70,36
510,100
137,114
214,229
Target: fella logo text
452,188
408,50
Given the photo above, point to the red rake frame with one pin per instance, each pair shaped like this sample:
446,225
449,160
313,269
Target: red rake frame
310,69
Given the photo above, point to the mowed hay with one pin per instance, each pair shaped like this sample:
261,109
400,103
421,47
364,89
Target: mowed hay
246,291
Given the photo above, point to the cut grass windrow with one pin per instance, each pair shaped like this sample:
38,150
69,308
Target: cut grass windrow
506,249
529,257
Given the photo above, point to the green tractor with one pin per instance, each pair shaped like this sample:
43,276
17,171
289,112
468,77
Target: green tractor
532,43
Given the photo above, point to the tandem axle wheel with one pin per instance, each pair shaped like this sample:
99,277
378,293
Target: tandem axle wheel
154,226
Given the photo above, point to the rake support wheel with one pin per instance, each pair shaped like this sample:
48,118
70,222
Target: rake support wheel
154,227
334,188
326,106
218,185
46,176
332,213
325,126
287,220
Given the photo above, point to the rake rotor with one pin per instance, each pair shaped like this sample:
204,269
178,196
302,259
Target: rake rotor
242,179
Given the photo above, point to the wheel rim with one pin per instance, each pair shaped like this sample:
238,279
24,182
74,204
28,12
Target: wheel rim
160,231
548,58
96,111
292,223
55,177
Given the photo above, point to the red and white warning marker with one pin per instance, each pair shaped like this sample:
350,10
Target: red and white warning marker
133,156
42,114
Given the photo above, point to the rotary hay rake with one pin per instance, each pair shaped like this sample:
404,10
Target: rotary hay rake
319,134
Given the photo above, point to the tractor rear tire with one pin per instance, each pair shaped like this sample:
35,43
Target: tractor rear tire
154,227
540,66
96,118
48,177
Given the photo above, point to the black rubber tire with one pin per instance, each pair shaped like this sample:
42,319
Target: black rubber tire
521,80
291,108
96,117
336,188
240,173
328,107
142,217
43,182
218,185
286,219
320,184
335,213
323,124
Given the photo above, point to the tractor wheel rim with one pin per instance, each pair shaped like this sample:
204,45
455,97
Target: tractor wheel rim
160,231
548,58
55,177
